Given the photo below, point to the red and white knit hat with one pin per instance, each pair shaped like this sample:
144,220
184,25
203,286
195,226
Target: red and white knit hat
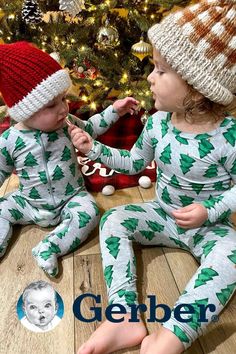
199,43
29,79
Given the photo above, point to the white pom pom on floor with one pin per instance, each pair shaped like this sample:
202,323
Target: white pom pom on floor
145,182
108,190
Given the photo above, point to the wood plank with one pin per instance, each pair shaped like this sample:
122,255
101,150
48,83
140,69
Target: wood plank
120,197
17,271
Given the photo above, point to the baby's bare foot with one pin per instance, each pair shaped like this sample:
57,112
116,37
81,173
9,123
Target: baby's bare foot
162,341
111,336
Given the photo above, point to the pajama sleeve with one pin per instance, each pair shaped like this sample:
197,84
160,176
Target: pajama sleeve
222,206
98,123
6,161
124,161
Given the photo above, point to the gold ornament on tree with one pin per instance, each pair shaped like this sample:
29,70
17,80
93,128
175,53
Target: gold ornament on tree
141,49
73,7
108,36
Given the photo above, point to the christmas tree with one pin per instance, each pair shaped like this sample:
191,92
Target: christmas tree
103,43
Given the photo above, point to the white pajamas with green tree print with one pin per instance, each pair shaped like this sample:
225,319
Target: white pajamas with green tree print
51,190
192,168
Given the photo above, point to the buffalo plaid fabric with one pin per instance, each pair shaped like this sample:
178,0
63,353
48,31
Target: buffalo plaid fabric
123,134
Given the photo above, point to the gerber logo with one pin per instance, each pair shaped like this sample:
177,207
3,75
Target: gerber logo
182,312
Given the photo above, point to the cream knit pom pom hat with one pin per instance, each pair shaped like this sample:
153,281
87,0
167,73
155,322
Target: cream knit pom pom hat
199,43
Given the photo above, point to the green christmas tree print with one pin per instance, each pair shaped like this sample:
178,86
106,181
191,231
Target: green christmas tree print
225,215
48,154
7,156
6,134
19,144
113,244
58,174
161,212
37,137
208,247
130,224
211,201
124,153
30,160
195,323
197,187
206,275
69,189
66,154
72,169
103,123
52,249
233,168
218,186
180,334
16,214
166,196
226,293
108,272
186,200
174,181
149,125
230,135
220,231
89,128
34,194
149,235
84,218
138,165
232,257
47,206
24,174
166,155
186,163
135,208
197,238
43,177
129,274
212,171
105,217
204,148
130,297
106,151
20,201
53,136
179,243
164,128
154,142
159,174
139,142
155,226
62,233
75,244
181,140
222,160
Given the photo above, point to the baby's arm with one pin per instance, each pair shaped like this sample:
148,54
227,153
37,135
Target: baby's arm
124,161
222,206
101,122
6,161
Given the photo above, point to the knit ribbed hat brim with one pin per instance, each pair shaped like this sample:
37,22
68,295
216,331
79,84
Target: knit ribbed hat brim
43,93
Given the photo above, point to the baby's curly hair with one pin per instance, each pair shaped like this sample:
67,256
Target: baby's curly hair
195,107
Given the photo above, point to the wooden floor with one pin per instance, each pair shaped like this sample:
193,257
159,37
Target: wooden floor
162,272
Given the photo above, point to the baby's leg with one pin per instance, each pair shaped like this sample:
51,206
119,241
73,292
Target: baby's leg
147,224
207,292
13,210
79,217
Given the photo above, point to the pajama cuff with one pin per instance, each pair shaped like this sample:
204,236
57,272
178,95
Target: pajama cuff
95,151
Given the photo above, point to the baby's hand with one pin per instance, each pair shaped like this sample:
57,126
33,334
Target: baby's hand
191,216
126,105
80,139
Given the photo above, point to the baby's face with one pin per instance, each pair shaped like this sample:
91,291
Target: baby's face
40,307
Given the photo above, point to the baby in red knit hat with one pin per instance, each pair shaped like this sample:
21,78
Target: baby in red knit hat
51,190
